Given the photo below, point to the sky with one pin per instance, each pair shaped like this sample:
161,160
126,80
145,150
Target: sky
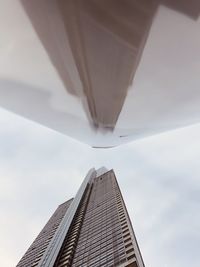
158,176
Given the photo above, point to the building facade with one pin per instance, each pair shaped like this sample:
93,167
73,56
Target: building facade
105,72
92,230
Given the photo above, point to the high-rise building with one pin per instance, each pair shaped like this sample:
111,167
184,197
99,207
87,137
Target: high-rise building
93,229
105,72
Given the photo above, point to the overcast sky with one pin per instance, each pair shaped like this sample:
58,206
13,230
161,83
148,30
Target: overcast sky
158,176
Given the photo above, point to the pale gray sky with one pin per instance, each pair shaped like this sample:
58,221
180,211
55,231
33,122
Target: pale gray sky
159,176
159,179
